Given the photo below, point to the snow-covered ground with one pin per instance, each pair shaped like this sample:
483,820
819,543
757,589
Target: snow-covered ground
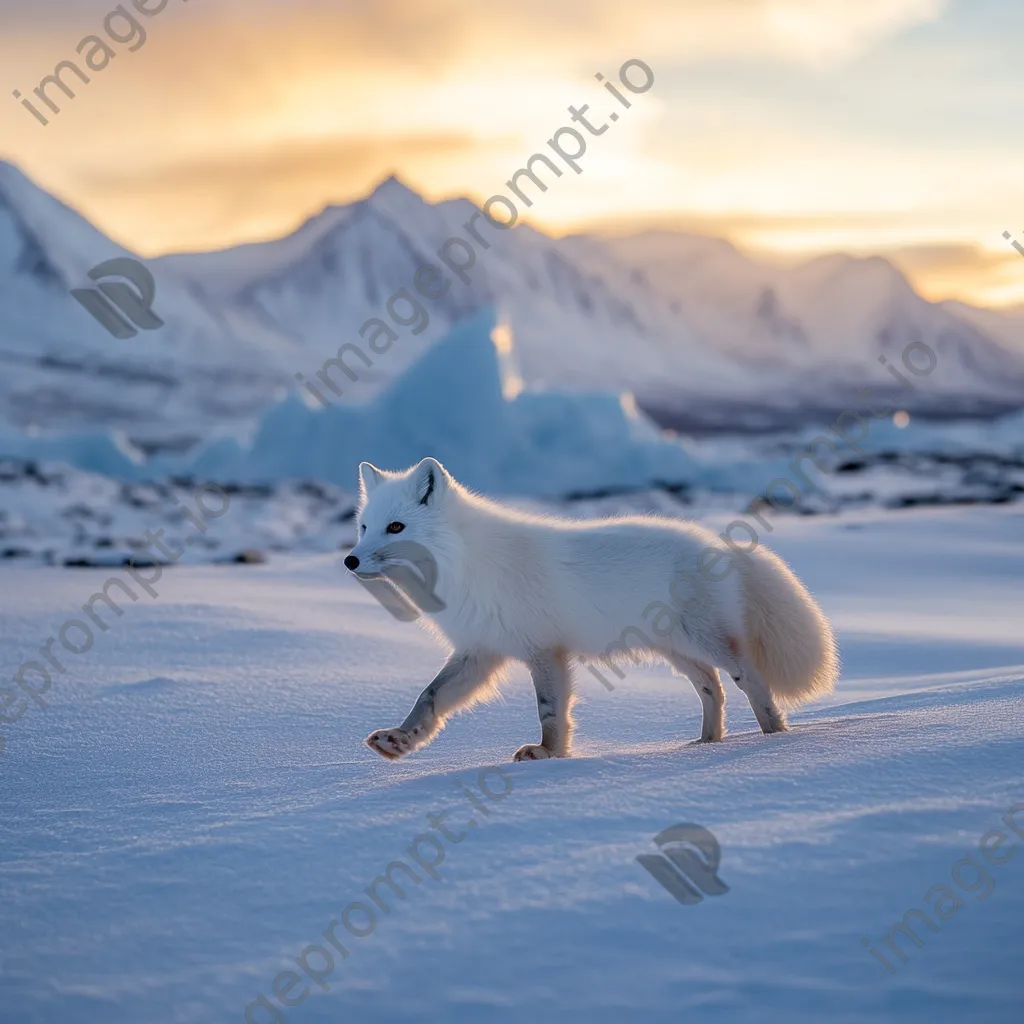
194,808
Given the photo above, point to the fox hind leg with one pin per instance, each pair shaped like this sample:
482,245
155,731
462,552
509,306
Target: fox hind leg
711,692
768,714
727,651
552,680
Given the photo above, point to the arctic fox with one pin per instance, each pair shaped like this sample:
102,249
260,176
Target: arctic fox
542,590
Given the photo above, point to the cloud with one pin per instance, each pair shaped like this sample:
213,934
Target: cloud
968,272
239,117
255,193
825,30
318,164
438,32
953,257
252,70
435,33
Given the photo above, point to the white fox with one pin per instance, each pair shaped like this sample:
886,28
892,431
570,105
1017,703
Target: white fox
542,590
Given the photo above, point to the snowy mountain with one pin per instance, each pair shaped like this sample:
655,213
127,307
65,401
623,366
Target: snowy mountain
824,327
1005,325
572,325
59,368
703,336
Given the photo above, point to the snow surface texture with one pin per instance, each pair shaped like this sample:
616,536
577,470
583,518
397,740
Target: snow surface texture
697,331
57,516
195,806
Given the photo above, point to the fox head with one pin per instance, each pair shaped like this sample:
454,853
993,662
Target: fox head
401,521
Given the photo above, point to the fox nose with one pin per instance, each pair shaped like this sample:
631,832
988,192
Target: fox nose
351,562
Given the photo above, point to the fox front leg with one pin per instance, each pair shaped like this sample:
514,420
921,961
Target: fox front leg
553,683
464,679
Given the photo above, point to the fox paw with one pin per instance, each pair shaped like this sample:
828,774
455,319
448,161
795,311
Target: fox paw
390,743
532,752
775,721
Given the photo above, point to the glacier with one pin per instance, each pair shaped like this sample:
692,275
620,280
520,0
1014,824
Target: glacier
463,402
459,403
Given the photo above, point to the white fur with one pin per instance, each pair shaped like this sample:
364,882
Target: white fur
542,590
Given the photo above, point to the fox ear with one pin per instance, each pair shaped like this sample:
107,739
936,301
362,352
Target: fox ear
431,480
369,478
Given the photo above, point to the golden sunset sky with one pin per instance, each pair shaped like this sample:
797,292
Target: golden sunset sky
791,127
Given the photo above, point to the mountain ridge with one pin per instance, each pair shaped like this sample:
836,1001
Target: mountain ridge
704,336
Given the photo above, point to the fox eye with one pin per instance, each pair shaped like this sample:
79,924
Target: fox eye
396,527
363,528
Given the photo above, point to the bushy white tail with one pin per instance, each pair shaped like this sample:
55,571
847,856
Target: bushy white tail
788,637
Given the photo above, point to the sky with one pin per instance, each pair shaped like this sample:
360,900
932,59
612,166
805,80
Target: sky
790,127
